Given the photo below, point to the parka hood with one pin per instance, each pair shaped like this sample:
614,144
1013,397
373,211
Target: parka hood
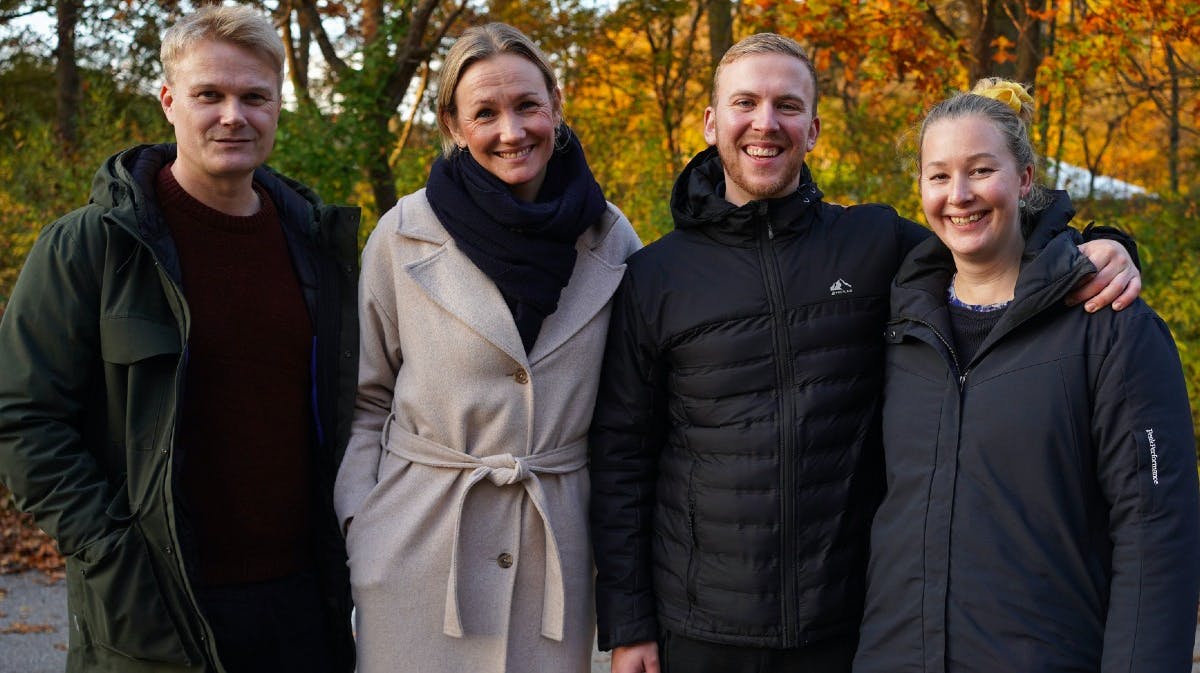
125,182
126,179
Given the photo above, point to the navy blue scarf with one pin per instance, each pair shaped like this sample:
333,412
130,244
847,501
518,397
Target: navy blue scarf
527,249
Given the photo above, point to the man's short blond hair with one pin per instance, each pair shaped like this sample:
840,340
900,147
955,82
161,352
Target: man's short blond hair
767,43
236,24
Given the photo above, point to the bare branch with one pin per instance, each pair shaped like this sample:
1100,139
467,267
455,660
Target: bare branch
310,19
5,17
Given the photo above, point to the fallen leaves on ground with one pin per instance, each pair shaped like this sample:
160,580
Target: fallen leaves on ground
22,627
23,546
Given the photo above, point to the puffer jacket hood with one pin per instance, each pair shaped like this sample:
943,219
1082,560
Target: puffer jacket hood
698,202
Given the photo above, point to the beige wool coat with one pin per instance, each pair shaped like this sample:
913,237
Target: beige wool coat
466,471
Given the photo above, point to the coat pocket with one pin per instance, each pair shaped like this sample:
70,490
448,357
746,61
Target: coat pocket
125,340
115,598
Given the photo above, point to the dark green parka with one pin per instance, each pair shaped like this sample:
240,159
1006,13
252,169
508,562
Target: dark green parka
93,352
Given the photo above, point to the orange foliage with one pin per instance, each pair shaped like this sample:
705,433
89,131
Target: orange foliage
1003,50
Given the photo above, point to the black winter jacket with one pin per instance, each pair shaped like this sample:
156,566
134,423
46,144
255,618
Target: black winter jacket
735,454
1041,513
93,351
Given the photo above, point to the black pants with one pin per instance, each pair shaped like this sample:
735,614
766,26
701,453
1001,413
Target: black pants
678,654
262,627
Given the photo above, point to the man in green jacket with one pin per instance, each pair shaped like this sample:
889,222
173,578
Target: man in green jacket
178,363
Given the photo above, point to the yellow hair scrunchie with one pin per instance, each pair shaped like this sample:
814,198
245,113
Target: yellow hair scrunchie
1010,93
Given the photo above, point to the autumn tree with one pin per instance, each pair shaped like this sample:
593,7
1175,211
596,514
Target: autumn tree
110,40
383,46
638,95
1122,80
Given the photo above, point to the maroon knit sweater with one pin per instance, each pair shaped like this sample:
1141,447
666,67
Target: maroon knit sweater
245,421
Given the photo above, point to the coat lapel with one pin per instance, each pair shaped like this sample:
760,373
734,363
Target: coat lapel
592,284
451,280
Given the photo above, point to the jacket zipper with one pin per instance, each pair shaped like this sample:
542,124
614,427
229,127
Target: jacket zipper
958,370
783,370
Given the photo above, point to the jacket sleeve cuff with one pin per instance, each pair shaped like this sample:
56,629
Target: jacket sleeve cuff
629,633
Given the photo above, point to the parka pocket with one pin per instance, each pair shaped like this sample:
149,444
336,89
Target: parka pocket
125,340
141,359
115,597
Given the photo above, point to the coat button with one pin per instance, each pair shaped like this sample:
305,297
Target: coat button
521,376
504,560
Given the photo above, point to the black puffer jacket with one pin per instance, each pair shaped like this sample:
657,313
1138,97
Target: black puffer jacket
735,448
1041,513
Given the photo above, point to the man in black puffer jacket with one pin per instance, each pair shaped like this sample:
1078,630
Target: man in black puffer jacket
735,449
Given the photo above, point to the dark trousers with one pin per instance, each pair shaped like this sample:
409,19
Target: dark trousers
262,627
678,654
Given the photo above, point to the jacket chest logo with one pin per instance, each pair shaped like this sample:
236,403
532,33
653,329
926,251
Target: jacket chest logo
840,287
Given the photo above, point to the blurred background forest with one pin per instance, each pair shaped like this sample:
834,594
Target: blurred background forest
1117,82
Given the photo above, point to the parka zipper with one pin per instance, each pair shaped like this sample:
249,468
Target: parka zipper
772,281
960,373
177,552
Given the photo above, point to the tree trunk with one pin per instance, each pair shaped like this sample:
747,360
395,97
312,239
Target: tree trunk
1174,124
372,20
980,26
66,75
297,55
379,170
720,29
1030,42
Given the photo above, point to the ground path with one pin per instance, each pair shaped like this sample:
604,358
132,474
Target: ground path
33,626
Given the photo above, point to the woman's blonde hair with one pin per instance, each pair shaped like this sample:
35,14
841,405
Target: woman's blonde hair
476,44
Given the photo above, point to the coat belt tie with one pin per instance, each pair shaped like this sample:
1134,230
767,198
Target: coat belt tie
502,470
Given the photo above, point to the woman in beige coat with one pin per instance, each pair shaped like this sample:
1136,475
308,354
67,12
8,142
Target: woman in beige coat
484,304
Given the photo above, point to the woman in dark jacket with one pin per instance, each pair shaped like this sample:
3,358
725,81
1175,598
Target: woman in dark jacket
1041,513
